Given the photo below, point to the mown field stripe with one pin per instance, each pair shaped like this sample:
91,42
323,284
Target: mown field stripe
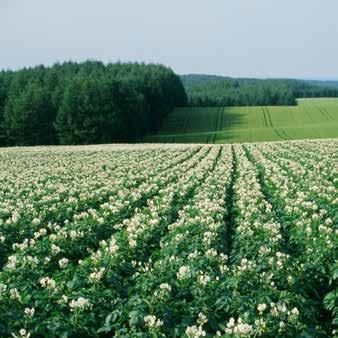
308,114
264,117
287,137
279,134
323,113
328,114
269,116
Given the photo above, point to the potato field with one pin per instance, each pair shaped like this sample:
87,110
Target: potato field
169,240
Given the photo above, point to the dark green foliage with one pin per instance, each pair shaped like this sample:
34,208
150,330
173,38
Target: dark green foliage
29,116
327,83
5,78
89,102
99,110
208,90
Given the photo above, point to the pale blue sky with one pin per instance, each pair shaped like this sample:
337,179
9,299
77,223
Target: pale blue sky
262,38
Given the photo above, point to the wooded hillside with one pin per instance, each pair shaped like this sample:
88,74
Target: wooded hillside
89,102
216,91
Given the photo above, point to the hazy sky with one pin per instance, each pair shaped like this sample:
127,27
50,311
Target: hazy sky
262,38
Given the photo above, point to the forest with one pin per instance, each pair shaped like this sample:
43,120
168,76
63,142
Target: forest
93,102
217,91
88,102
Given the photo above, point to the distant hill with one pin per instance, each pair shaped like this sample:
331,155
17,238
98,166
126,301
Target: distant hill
190,80
327,83
212,90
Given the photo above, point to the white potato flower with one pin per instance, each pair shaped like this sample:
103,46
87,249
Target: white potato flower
63,262
195,331
29,311
183,272
79,304
22,334
47,282
261,307
152,321
165,286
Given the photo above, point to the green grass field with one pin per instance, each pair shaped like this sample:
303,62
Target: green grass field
310,119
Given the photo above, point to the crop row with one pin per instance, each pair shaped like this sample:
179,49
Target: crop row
169,241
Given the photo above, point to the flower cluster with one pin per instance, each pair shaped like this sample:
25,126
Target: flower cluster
79,304
152,321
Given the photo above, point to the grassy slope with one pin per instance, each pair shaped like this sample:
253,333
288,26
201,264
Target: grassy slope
312,118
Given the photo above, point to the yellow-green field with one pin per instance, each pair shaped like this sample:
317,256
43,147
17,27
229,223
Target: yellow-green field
310,119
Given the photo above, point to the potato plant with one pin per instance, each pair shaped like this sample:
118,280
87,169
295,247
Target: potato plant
169,240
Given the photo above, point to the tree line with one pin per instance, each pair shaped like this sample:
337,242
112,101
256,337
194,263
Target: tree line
88,102
206,90
92,102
